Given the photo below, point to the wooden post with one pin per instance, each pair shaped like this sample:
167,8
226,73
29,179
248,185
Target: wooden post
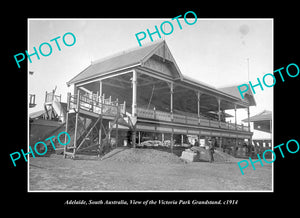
198,106
109,126
172,140
100,103
117,133
181,139
117,123
134,93
78,101
219,111
124,108
67,122
250,143
100,87
235,116
76,122
172,116
171,99
134,105
139,137
100,137
248,112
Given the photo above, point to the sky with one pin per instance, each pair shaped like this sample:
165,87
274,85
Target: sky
214,51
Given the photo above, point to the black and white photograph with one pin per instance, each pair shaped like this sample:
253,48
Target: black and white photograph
162,113
174,108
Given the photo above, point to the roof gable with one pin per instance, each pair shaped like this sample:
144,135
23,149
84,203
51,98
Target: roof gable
164,60
130,58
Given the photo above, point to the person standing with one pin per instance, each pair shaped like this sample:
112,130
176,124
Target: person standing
211,150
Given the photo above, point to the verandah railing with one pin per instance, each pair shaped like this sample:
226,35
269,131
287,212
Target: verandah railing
105,106
50,97
96,104
187,119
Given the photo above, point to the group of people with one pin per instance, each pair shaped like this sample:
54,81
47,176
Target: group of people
211,148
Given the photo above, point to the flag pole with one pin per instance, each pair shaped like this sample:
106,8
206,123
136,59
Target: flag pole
248,69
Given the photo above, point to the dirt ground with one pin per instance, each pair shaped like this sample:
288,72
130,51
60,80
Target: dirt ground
115,173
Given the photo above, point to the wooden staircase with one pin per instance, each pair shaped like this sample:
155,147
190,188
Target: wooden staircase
91,131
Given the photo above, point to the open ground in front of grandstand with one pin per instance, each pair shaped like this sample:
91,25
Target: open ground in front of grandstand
134,171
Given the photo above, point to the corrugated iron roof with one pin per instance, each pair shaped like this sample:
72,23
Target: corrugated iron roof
264,115
118,61
233,91
138,56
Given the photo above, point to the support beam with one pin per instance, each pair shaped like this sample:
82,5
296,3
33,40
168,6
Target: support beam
133,136
198,103
120,80
155,82
109,75
134,106
100,129
248,112
114,85
117,134
109,132
67,122
85,90
171,111
117,125
100,88
219,109
172,140
134,93
235,116
76,122
198,106
171,98
139,137
87,135
100,134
